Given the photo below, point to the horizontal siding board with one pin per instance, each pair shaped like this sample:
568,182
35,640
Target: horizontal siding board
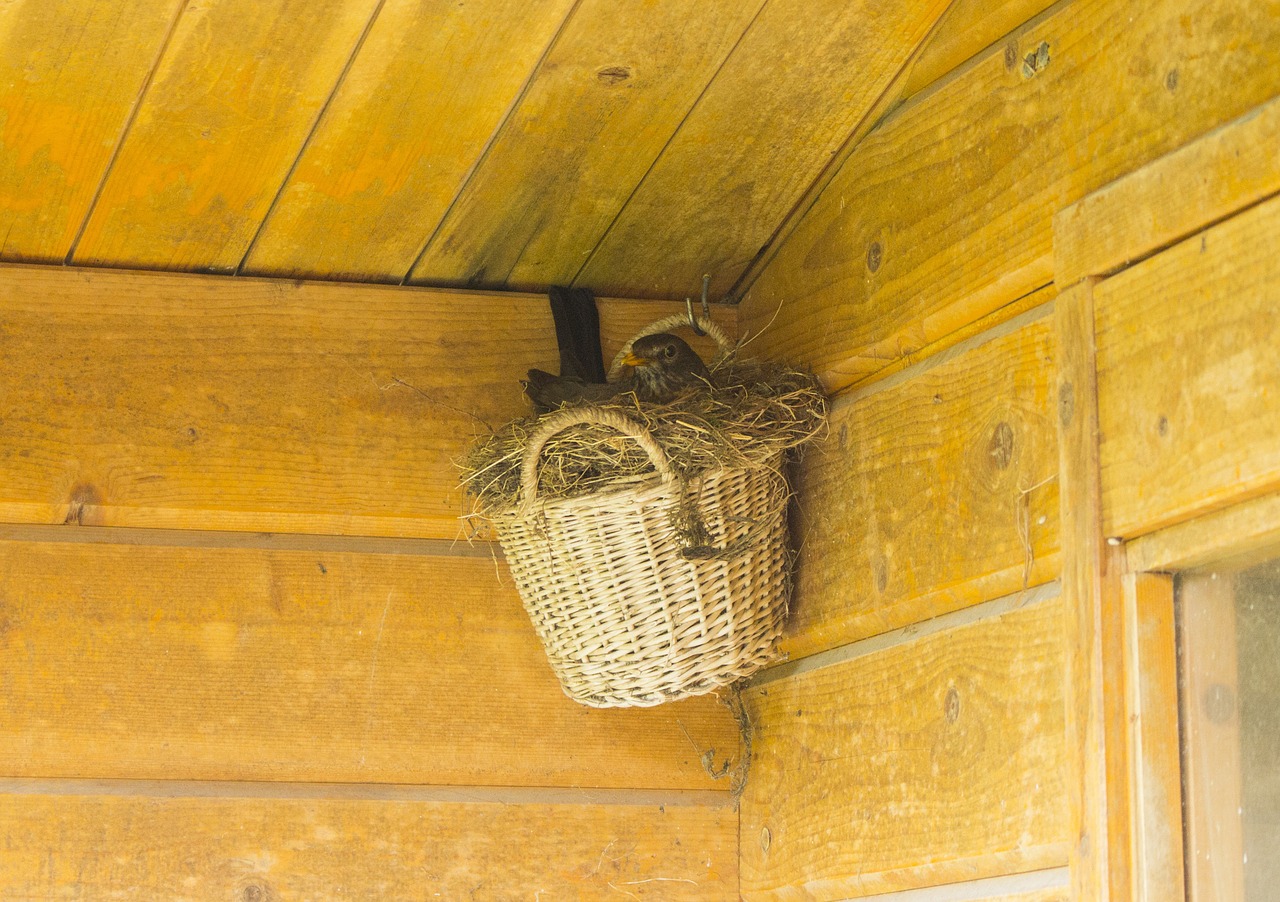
138,662
911,766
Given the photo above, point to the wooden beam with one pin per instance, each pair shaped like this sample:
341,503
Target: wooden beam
430,86
1097,731
606,99
944,212
911,766
801,79
174,401
256,850
1188,375
936,489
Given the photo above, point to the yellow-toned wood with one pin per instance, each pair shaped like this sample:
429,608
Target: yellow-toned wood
198,402
73,71
228,664
944,213
1210,178
1188,376
1211,733
1151,664
430,86
743,158
228,110
968,28
608,97
935,490
913,766
255,850
1097,729
1245,532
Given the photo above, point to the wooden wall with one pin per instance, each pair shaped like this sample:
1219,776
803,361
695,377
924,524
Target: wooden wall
246,648
946,728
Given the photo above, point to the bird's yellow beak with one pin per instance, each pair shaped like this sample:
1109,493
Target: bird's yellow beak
632,360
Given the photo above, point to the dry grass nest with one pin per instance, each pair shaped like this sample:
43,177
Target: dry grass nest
755,412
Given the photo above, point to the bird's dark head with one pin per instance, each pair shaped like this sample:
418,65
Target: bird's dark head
665,365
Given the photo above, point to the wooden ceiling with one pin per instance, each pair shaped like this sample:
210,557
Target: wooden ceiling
627,146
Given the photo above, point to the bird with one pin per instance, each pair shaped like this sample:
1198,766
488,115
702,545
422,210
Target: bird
662,365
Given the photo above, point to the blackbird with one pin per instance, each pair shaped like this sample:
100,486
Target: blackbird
662,367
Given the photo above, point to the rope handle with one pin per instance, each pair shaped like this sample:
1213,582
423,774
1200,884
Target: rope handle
667,324
573,416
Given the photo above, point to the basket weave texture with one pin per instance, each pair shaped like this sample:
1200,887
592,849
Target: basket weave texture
665,588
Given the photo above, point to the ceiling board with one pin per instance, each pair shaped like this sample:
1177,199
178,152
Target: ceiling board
606,100
70,73
230,106
804,76
430,86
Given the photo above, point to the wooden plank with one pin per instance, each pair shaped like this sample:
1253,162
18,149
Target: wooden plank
935,490
912,766
227,664
232,101
970,27
1151,676
763,130
1092,569
73,72
1207,180
199,402
606,100
944,212
1188,373
260,849
428,89
1211,732
1243,533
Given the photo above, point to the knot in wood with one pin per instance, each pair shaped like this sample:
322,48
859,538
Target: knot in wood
1000,448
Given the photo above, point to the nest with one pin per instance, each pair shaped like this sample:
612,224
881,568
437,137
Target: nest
755,412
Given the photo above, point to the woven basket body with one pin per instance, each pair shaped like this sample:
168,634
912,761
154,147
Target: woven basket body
630,610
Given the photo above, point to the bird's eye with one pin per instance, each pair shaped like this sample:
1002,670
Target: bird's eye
669,351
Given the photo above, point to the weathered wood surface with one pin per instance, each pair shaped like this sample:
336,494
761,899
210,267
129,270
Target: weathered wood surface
1249,530
60,119
929,762
1151,676
421,101
155,400
1212,177
742,156
227,664
935,490
1099,766
256,850
612,91
944,213
1188,375
229,107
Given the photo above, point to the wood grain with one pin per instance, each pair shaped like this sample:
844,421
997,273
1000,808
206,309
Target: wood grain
1248,532
1151,663
228,664
255,850
1188,373
1098,748
607,98
952,198
1212,177
742,158
208,403
430,86
232,101
912,766
935,490
73,71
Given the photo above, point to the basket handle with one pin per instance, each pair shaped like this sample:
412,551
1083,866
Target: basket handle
558,422
666,324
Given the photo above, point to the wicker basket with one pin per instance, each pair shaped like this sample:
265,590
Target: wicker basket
659,590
